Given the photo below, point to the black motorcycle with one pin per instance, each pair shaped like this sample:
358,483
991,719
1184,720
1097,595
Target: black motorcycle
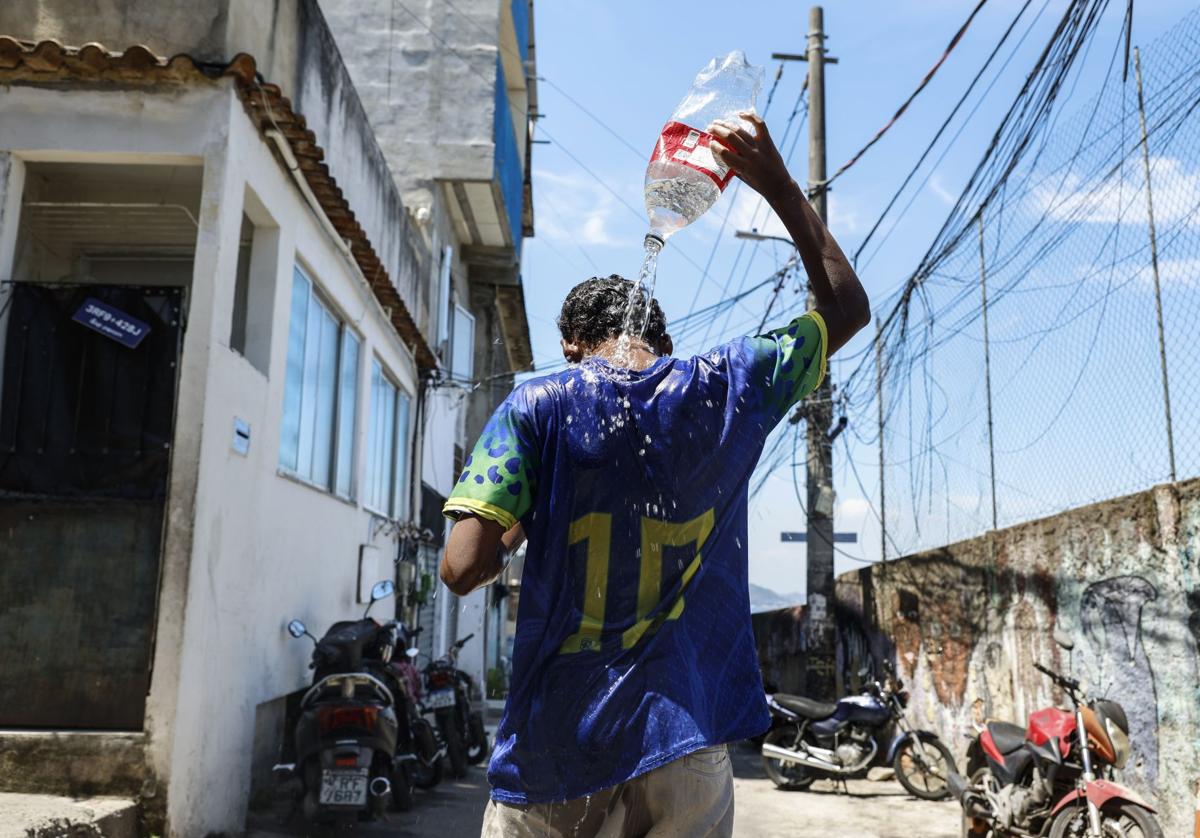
812,739
347,733
423,742
448,696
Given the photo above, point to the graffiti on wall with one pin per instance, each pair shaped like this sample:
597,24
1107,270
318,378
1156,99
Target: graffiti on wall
1115,663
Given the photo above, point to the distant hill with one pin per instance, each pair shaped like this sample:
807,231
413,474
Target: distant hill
764,599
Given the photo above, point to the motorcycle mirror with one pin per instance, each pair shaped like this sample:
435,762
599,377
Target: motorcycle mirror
382,590
296,629
1063,639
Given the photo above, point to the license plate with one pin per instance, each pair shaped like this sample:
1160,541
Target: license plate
346,787
440,698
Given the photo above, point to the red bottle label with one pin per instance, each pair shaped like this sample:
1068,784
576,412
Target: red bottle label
683,144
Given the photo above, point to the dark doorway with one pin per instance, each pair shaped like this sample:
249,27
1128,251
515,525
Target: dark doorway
85,432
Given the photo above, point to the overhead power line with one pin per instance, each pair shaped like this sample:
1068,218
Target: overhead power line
962,30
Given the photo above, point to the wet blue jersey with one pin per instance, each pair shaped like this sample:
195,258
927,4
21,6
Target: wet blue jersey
633,642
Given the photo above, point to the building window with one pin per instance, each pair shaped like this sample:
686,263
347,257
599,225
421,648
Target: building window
462,355
320,393
387,447
254,285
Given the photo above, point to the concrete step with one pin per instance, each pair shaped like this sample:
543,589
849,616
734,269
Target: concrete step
46,816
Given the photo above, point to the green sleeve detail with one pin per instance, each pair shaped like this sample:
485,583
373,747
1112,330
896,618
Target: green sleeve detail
793,359
498,480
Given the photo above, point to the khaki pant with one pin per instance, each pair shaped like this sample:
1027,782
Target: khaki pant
691,797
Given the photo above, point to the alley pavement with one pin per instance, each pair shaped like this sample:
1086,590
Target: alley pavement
871,810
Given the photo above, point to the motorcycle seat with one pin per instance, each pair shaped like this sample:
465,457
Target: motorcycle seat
806,707
1008,737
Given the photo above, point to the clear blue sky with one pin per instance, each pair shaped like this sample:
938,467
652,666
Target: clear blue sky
630,62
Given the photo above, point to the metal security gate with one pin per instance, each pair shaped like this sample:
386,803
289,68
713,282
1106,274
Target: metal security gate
86,414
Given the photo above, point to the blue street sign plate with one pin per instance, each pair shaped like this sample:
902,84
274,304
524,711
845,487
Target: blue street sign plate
838,537
111,322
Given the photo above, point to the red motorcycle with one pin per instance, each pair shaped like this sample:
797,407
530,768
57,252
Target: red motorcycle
1042,781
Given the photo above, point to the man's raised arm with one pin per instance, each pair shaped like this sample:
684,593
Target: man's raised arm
841,300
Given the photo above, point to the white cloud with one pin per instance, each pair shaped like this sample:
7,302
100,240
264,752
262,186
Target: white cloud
572,208
843,215
1176,196
1177,271
938,188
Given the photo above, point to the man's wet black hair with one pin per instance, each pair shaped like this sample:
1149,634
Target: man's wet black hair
595,310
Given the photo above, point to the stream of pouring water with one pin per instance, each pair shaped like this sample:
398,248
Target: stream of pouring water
637,309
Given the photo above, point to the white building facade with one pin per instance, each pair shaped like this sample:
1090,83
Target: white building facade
451,91
219,325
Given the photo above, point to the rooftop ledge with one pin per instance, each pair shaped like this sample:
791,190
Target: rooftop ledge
49,62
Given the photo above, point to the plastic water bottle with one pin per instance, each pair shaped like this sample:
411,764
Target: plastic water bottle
684,179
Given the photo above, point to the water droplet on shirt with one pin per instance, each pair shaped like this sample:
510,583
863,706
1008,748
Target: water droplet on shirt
708,402
647,439
738,542
641,452
569,419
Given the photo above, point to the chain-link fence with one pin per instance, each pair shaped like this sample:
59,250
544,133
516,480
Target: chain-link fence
1054,392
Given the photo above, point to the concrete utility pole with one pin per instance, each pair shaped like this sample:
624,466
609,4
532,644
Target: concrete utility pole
819,630
818,615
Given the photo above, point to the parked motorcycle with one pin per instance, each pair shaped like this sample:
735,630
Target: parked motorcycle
812,739
346,737
448,697
424,742
1040,781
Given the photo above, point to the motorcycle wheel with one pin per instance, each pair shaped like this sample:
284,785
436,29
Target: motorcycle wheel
426,776
402,787
926,777
454,747
786,775
477,747
972,828
1119,820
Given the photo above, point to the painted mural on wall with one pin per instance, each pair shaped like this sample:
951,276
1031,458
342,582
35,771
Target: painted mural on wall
1114,660
965,623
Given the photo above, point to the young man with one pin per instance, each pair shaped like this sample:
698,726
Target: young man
634,661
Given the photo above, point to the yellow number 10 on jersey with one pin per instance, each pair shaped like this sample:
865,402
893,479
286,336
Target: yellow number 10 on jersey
595,529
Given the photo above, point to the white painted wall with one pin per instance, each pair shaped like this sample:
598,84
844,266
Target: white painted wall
246,548
267,548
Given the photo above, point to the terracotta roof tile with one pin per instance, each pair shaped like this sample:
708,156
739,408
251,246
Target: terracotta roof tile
267,107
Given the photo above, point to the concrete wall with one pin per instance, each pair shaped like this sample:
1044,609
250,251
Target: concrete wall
965,623
431,97
266,548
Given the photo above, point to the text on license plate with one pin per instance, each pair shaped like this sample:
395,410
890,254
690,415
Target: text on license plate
347,787
441,698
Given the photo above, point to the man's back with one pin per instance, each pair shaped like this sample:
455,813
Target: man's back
633,641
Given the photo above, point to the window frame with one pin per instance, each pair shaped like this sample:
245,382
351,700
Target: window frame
344,332
398,502
458,311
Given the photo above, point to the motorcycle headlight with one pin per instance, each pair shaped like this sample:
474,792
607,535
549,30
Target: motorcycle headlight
1120,742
